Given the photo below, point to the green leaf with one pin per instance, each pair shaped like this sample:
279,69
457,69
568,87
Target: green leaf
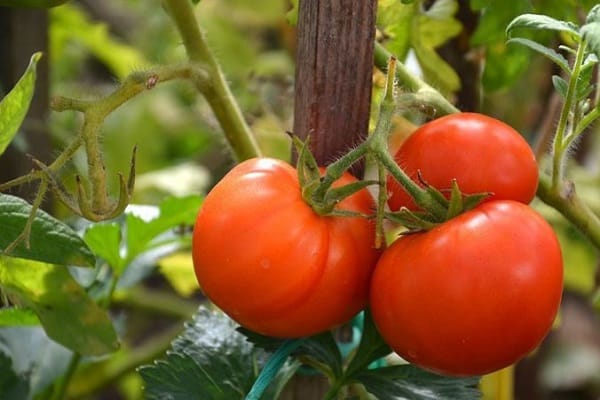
593,15
555,57
320,351
16,316
70,23
172,213
51,240
560,85
437,71
104,239
542,22
401,382
210,360
394,19
31,3
14,106
67,314
371,348
35,357
12,386
591,34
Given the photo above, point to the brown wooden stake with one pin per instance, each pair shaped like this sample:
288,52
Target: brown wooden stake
334,67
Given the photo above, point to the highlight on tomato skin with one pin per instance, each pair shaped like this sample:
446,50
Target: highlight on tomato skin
264,257
483,154
473,295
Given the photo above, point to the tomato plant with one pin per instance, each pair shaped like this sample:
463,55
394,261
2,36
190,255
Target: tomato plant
473,295
271,263
483,154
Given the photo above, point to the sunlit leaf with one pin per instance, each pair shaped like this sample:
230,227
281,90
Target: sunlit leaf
17,316
437,71
15,104
69,23
210,360
179,271
104,239
67,314
51,240
173,212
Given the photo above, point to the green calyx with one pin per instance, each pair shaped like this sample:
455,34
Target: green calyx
318,190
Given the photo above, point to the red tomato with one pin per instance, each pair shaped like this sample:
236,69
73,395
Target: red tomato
271,263
482,153
473,295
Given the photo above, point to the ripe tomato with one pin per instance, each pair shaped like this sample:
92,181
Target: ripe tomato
271,263
473,295
482,153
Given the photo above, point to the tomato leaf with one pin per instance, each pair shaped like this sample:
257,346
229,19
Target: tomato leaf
210,360
551,54
17,316
35,358
172,212
15,104
67,314
371,348
12,386
591,33
401,382
104,239
321,350
542,22
560,85
51,240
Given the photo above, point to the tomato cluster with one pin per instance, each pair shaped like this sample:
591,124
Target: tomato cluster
480,291
472,295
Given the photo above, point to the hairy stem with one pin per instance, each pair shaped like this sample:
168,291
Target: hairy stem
424,94
218,94
565,200
564,128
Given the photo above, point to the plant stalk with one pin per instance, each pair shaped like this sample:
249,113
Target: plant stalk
217,93
558,145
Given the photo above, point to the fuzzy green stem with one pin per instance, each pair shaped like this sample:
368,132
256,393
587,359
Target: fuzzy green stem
567,202
61,386
218,94
379,147
424,93
559,146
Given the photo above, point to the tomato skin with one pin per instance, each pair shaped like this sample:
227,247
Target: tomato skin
473,295
482,153
271,263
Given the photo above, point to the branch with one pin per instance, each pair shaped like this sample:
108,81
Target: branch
218,94
422,92
567,202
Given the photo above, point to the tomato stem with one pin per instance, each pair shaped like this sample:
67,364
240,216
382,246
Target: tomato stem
378,143
566,128
217,93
